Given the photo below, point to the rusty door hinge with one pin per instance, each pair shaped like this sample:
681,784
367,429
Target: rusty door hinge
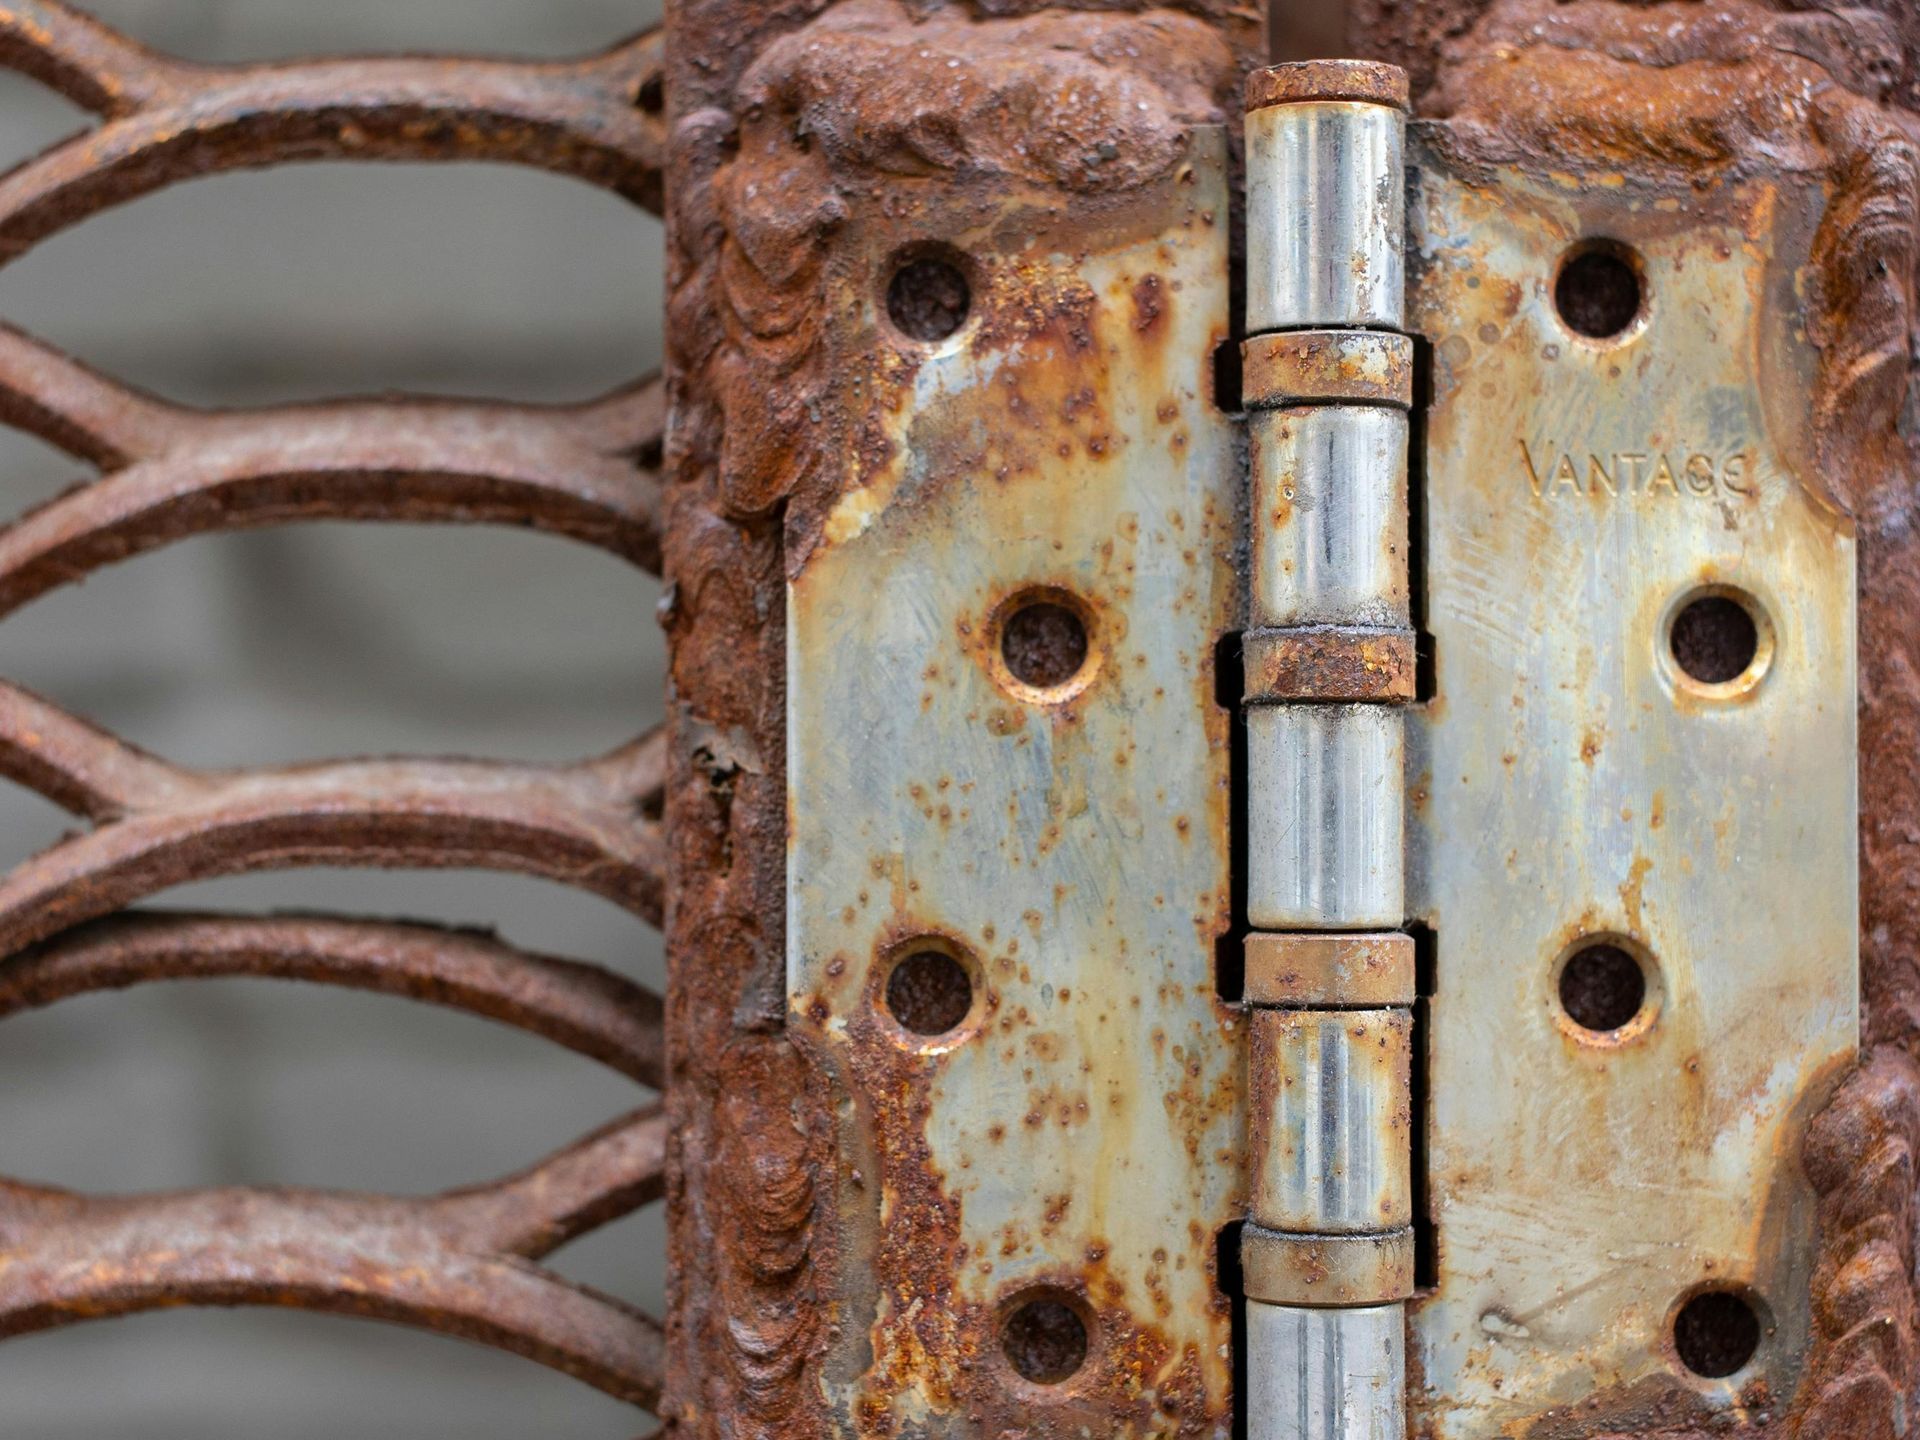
1550,902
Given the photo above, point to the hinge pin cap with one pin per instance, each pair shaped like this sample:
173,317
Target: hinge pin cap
1300,82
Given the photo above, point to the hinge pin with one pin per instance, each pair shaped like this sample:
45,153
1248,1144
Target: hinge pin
1327,1250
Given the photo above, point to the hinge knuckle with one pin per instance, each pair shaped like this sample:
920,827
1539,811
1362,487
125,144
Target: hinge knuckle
1326,1270
1330,516
1330,1151
1326,816
1326,209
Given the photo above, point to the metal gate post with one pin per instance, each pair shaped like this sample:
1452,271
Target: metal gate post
1327,1253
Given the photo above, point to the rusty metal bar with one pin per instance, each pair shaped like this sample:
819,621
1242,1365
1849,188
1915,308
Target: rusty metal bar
582,824
586,1008
1327,1253
588,472
599,119
457,1263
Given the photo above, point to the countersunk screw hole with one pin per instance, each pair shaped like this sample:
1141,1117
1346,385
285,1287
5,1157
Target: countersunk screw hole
1714,639
928,298
1716,1333
1599,291
1602,987
1045,1340
651,96
929,993
1044,644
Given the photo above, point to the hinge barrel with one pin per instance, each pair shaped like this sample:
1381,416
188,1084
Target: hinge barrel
1325,211
1327,1251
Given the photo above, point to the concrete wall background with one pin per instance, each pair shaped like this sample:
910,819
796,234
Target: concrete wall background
325,641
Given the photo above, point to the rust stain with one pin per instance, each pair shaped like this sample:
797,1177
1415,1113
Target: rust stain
1328,663
1630,893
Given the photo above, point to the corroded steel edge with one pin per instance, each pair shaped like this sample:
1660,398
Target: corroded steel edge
1327,367
1288,1268
762,424
1306,82
1310,970
1328,663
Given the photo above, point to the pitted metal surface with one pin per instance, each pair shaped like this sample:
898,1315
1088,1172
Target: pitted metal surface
1572,783
1076,1135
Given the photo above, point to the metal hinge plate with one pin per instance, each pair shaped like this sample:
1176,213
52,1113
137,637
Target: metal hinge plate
1572,784
1009,868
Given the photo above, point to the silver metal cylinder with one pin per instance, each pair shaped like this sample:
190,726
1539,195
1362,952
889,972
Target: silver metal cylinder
1329,516
1326,216
1326,1374
1326,817
1331,1135
1329,1089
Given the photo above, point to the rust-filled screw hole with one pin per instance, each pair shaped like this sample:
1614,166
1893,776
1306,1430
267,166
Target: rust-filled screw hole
1044,644
1045,1340
1715,639
929,992
1717,1333
1598,291
929,297
1602,987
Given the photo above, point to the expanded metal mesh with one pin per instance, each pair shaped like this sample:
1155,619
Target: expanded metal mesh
462,1262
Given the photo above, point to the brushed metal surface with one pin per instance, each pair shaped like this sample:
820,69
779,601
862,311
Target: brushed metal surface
1330,1135
1326,816
1325,1374
1329,519
1325,208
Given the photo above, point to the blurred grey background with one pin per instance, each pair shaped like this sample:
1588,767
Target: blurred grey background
326,641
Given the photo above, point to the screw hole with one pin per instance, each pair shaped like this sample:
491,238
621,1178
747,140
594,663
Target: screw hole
1716,1333
928,298
929,992
651,96
1602,987
1714,639
1044,644
1599,292
1044,1339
